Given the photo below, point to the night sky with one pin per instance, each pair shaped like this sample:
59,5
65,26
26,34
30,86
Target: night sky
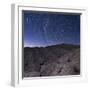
43,29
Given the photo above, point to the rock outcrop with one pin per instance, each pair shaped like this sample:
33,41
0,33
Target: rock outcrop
53,60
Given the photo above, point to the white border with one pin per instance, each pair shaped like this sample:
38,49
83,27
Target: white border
16,26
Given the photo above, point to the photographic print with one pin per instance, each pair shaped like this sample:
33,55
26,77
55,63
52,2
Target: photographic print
51,43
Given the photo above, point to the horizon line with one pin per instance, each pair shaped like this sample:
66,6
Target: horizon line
51,45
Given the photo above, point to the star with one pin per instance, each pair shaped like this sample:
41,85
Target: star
27,19
62,30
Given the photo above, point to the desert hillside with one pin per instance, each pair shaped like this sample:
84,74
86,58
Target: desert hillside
52,60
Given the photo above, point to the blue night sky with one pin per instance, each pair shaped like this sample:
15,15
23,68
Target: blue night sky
44,29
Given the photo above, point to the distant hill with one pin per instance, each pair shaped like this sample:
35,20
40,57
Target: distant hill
63,59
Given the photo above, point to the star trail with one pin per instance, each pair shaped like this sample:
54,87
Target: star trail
43,29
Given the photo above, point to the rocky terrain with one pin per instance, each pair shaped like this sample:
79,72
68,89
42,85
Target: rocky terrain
55,60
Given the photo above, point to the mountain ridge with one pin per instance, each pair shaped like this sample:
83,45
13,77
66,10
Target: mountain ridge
46,61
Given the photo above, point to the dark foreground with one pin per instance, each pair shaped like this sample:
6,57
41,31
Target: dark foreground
53,60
